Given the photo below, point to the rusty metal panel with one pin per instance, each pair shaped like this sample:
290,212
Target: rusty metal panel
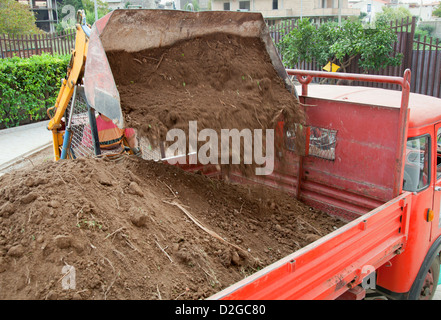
357,175
365,148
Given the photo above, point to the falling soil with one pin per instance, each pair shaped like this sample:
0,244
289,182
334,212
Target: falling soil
140,230
221,81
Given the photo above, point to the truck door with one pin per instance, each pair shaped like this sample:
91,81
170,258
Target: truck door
436,222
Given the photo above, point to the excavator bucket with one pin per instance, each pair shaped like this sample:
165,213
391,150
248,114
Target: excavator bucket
137,30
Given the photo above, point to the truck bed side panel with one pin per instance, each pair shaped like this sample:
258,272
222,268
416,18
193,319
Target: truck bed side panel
354,181
365,134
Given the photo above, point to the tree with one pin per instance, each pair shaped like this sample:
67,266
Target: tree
194,4
299,44
16,18
89,8
377,50
389,14
437,11
340,44
69,8
424,31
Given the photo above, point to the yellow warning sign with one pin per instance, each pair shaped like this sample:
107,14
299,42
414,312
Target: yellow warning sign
331,67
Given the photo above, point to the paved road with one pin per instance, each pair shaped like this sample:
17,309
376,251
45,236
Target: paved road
438,292
19,142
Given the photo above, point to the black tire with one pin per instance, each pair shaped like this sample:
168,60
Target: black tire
429,283
426,281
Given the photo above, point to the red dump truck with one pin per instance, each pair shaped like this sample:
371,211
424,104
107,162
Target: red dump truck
372,159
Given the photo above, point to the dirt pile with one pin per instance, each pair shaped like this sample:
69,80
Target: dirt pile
221,81
139,230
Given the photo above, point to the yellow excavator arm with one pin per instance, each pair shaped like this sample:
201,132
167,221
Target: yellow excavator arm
75,72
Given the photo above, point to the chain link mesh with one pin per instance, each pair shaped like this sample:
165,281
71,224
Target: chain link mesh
148,153
81,145
321,141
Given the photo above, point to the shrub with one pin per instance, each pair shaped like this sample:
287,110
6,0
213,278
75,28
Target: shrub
29,86
341,44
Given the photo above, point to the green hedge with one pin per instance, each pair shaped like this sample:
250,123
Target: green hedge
29,86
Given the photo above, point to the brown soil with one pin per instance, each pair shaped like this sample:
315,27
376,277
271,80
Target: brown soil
117,224
221,81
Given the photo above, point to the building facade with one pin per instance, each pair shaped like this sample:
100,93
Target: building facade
132,4
423,10
369,7
45,12
281,9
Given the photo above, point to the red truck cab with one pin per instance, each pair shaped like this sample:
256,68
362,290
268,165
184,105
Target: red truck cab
414,273
371,160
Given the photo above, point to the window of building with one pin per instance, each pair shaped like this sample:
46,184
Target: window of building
226,6
41,4
244,5
275,4
328,4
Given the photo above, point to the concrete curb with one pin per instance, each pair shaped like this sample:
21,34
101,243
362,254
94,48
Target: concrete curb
24,127
23,141
19,158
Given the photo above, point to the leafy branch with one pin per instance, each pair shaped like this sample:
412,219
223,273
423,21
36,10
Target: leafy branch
341,44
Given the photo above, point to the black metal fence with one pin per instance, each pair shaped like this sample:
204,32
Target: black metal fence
426,67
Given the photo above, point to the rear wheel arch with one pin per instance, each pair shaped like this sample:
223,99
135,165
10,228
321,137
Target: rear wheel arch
429,272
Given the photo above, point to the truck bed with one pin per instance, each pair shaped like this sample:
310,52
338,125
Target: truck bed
328,267
344,176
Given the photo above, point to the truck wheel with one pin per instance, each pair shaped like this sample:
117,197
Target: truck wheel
430,281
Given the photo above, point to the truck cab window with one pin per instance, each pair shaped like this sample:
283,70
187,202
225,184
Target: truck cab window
417,167
438,154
